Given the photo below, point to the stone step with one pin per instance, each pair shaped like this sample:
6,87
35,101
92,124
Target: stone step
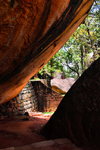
56,144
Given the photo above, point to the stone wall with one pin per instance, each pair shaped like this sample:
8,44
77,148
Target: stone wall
48,100
27,98
26,101
35,96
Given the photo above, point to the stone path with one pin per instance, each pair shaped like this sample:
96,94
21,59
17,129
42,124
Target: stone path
56,144
26,133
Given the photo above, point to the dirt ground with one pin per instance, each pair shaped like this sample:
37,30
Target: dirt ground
22,130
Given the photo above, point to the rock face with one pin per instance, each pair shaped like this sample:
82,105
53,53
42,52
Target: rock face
31,32
62,85
78,115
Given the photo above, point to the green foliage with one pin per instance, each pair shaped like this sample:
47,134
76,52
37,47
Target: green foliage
47,113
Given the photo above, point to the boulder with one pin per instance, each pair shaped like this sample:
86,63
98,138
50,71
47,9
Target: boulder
78,115
31,32
62,85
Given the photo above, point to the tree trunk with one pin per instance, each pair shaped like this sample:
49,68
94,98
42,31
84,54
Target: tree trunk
51,62
78,115
82,58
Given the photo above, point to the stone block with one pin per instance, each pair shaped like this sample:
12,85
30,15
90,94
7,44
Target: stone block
24,92
17,98
26,100
1,117
79,149
22,96
18,108
26,147
70,145
30,94
28,110
15,113
10,148
27,106
12,106
9,110
22,104
14,109
43,144
21,108
62,141
26,96
26,103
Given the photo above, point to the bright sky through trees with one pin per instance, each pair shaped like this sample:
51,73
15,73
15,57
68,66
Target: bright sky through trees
80,50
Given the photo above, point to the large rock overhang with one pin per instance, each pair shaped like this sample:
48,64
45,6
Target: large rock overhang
31,33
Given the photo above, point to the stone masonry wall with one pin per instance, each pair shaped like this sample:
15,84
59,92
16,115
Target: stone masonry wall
35,96
48,100
26,101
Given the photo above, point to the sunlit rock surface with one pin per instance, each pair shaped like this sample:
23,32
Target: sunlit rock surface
62,85
31,32
78,115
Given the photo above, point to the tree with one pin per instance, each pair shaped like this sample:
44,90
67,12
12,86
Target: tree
84,46
81,49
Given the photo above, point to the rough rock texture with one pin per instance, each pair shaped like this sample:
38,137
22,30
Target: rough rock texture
25,101
31,32
62,85
47,99
78,115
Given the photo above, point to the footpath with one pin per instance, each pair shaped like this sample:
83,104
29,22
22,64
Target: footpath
21,133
